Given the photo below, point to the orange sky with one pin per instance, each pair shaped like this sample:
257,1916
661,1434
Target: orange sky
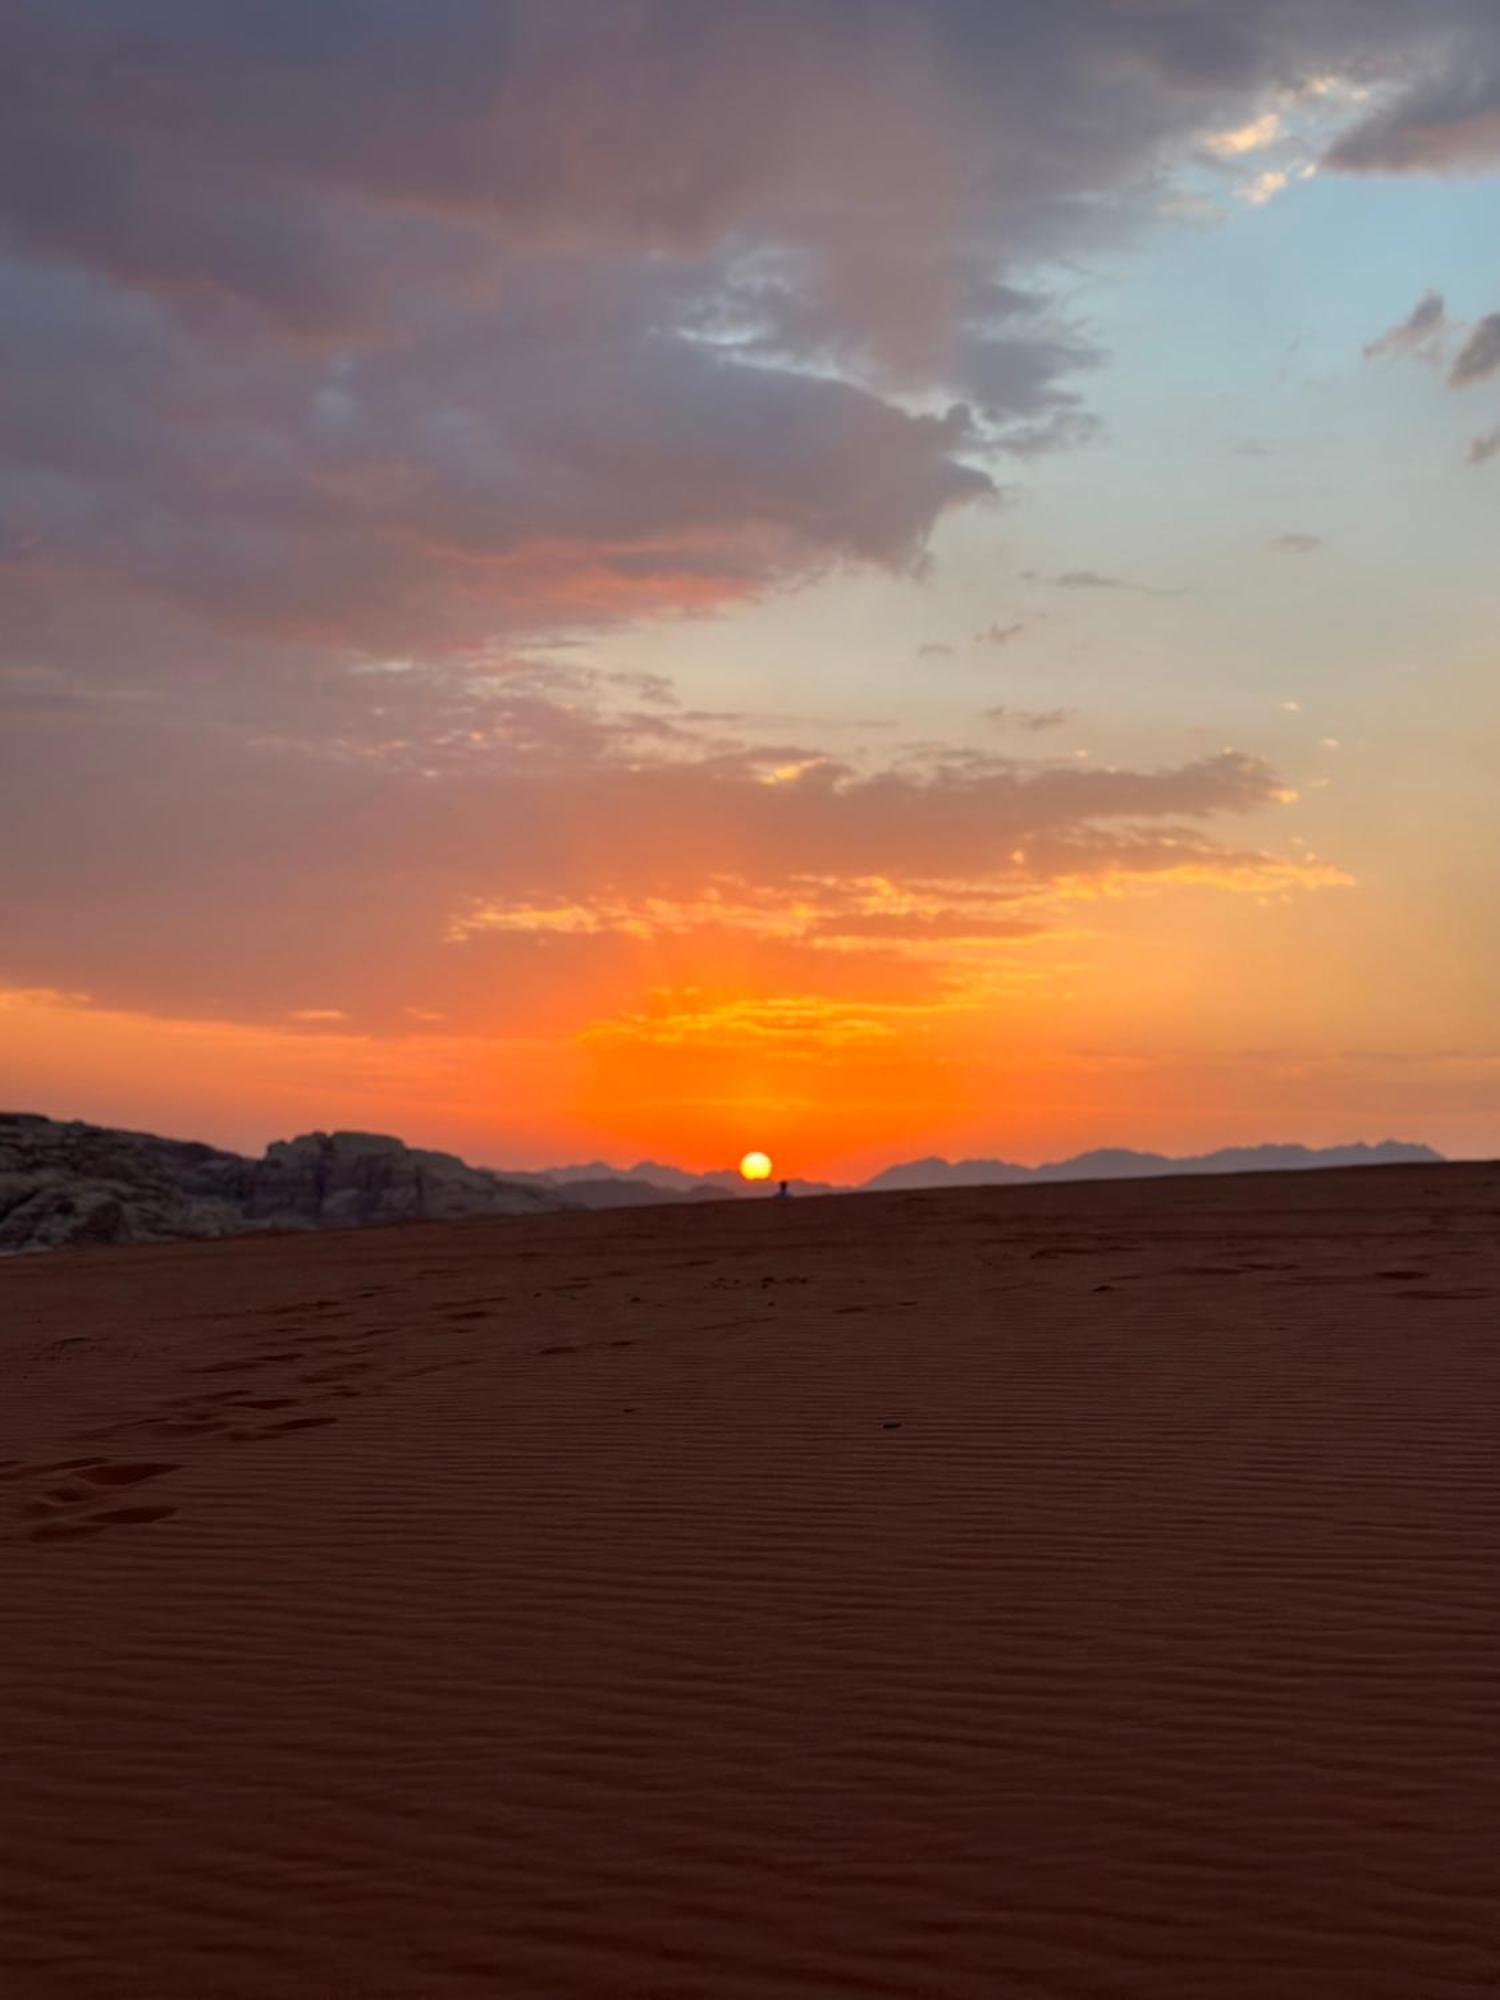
590,581
1101,1033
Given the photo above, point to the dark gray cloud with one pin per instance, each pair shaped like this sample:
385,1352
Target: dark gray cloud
1485,447
594,456
1479,357
1439,108
1004,632
1295,544
390,319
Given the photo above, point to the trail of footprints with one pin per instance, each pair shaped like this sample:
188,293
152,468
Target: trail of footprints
268,1391
292,1377
80,1500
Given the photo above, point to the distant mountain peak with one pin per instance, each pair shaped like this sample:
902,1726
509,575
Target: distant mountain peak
1124,1163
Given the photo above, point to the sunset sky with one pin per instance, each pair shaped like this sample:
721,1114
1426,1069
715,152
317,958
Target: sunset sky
644,577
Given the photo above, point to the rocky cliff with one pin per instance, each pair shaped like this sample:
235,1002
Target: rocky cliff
72,1184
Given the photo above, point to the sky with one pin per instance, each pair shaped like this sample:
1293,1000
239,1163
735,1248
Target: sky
642,578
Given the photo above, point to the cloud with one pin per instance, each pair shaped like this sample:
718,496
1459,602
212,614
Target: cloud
1251,138
1429,334
1439,110
361,364
936,649
1093,579
1422,332
1087,579
583,458
1479,357
1002,634
492,343
335,841
1265,187
1029,719
1297,544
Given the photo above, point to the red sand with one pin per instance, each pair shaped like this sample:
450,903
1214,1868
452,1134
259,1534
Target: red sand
1085,1591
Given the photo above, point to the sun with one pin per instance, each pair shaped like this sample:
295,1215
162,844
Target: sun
756,1167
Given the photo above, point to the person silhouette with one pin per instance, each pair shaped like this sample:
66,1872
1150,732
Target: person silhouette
783,1191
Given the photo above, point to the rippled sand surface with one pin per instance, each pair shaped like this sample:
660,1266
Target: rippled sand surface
1059,1592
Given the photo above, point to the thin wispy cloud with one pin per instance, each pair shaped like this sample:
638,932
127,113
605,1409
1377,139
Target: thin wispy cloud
1030,720
1095,580
1423,332
1428,334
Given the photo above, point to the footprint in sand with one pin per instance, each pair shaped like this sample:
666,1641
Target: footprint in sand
97,1524
246,1364
71,1511
125,1475
17,1468
279,1430
412,1374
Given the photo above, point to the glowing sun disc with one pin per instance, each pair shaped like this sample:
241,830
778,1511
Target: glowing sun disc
756,1167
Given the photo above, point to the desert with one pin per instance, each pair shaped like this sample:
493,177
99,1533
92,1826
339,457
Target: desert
750,1213
1048,1592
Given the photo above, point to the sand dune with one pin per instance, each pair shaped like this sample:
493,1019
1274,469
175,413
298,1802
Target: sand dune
1085,1591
